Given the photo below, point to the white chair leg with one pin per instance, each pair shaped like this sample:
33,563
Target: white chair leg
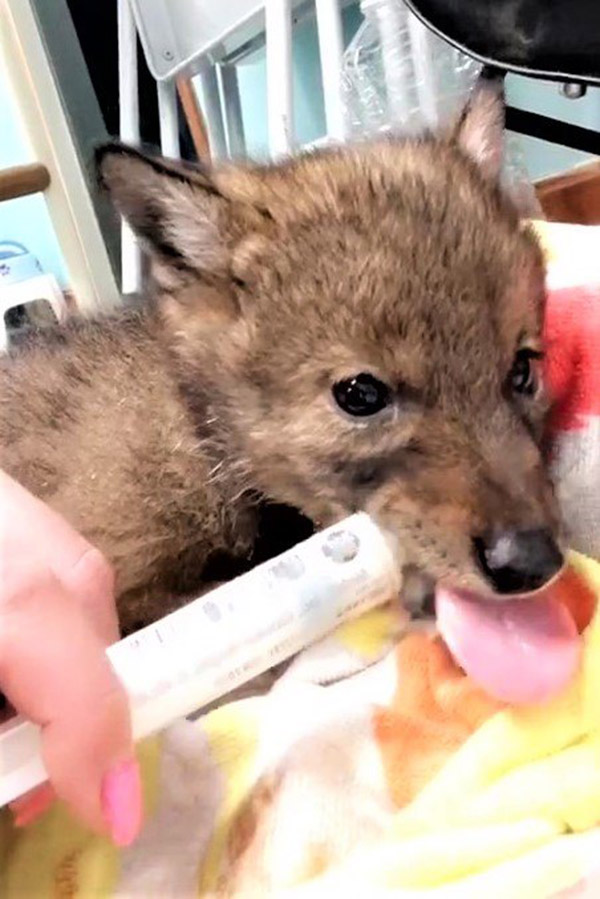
169,119
278,22
331,49
56,299
234,124
3,334
129,130
213,112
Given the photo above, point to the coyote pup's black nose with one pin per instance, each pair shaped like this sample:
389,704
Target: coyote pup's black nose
518,561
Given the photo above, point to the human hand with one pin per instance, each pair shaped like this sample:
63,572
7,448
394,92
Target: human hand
57,615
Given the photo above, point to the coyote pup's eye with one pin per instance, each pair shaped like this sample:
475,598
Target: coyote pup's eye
362,395
523,376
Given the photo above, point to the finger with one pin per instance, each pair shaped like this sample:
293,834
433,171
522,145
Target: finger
27,525
54,670
32,805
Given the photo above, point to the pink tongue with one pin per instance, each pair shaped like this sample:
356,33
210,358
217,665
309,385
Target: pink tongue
518,650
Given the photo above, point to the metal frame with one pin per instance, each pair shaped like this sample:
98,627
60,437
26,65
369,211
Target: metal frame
554,131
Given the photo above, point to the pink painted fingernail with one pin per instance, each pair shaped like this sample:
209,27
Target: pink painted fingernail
122,802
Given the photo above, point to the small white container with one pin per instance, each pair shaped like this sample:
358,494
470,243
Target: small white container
22,281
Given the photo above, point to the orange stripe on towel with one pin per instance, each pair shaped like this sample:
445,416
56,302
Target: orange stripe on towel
436,707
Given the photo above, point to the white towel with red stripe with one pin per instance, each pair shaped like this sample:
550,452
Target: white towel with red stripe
573,374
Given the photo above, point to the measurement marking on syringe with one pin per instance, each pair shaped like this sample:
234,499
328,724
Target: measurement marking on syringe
179,634
187,664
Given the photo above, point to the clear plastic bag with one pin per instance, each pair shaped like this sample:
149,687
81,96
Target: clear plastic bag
399,76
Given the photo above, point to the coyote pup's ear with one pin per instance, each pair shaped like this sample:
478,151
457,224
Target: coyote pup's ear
177,210
480,130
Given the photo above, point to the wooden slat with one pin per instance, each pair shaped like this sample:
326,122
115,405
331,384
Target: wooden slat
194,117
572,197
23,180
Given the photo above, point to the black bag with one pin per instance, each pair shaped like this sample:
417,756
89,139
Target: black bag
551,39
557,40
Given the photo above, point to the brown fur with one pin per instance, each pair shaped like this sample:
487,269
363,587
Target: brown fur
159,432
